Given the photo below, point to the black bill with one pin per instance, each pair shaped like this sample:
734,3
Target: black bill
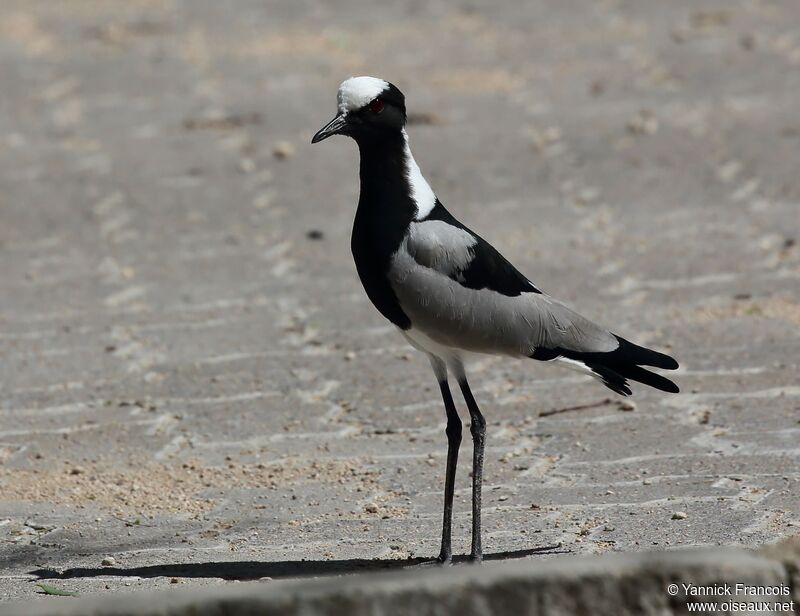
334,127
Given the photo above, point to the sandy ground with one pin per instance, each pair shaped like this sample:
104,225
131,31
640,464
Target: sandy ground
193,387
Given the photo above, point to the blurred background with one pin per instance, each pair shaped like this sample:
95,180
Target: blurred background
190,374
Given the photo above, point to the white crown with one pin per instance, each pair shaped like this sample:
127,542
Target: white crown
356,92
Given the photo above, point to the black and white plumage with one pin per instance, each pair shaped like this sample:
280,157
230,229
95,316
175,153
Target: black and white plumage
449,291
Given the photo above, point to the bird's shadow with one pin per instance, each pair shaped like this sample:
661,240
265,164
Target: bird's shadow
254,570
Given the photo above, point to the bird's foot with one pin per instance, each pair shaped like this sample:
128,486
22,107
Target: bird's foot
443,560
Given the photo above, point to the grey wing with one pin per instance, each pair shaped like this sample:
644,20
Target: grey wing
427,274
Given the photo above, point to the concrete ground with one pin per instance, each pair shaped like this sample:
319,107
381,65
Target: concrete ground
193,386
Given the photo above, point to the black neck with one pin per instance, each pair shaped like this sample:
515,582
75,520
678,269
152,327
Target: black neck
384,178
385,210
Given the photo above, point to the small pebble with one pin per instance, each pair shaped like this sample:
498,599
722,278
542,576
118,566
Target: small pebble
597,88
747,41
283,150
627,405
587,195
644,123
680,515
247,165
108,561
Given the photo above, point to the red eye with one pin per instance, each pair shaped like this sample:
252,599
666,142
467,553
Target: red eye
376,106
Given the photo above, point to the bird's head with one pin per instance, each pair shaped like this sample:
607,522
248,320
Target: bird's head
368,108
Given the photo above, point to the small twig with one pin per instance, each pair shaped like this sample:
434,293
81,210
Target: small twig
579,407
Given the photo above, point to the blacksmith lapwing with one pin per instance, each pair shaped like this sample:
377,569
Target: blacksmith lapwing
450,292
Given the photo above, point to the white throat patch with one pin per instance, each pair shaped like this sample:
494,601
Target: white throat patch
421,191
356,92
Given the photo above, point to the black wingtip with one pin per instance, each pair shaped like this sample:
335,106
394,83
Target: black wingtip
631,353
619,384
669,387
615,367
669,363
640,375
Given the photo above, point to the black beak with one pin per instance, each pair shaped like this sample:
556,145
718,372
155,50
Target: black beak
334,127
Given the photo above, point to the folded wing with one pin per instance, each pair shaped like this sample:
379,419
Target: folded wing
462,293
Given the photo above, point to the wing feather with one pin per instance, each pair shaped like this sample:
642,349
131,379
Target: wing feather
461,293
439,277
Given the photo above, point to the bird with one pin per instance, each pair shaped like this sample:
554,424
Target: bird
451,294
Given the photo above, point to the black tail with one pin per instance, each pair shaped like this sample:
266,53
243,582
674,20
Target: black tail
634,354
623,363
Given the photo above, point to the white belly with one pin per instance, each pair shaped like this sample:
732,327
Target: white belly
454,358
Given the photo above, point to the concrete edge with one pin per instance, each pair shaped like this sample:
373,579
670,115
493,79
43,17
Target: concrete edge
634,583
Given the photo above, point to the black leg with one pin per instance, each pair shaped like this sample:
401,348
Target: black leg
478,430
453,432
